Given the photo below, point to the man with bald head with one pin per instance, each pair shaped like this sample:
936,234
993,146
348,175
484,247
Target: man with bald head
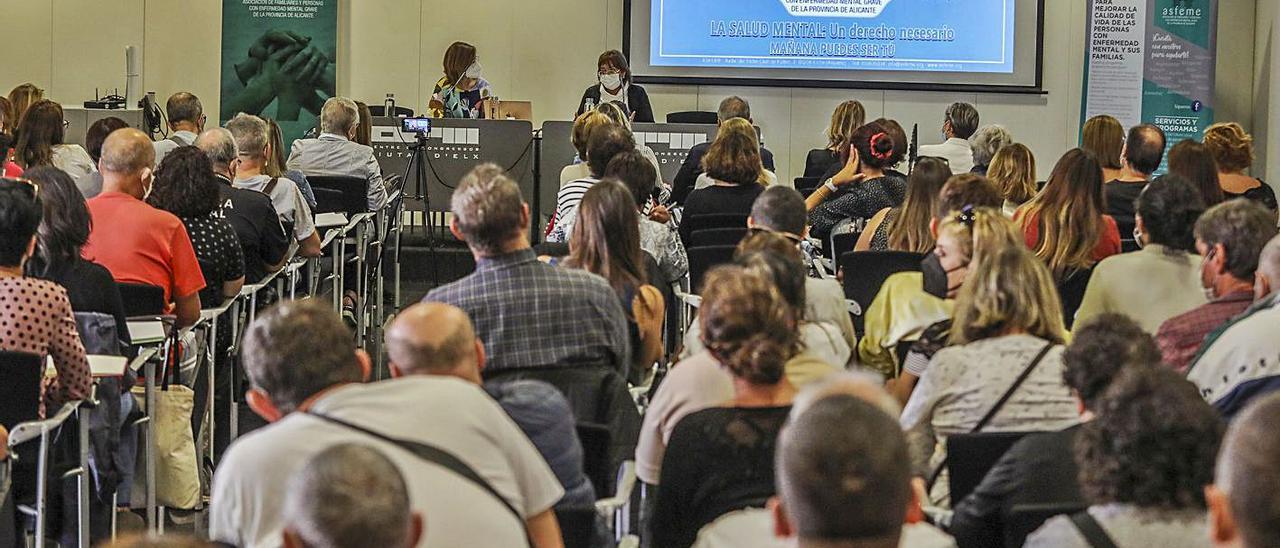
140,244
438,339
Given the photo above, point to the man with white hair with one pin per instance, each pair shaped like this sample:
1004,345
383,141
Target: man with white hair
262,238
350,495
253,140
334,154
1241,361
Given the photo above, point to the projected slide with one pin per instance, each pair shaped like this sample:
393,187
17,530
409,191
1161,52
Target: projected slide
975,36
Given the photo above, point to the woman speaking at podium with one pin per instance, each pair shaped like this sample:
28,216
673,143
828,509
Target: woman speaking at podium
459,93
615,84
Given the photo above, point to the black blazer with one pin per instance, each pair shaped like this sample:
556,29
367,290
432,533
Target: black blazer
637,101
1039,468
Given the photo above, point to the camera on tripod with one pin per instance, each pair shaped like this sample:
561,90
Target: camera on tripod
421,126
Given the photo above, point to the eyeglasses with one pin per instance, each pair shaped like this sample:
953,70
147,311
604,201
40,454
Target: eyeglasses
609,71
33,189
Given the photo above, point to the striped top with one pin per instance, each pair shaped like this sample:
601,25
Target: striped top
567,201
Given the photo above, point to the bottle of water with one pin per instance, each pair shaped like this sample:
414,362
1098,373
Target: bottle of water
589,105
389,106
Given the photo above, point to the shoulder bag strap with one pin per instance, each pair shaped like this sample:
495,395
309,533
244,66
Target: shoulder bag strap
271,186
982,423
1092,530
435,455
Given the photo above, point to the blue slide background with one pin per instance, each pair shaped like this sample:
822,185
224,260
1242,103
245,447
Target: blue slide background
683,27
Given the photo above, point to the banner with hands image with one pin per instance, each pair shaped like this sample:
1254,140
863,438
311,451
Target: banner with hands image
278,61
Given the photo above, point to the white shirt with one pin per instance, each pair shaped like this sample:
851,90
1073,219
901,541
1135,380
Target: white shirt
288,201
957,152
74,160
1150,285
249,485
621,96
179,138
334,156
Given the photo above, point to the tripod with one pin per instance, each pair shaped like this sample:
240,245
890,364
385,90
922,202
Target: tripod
418,167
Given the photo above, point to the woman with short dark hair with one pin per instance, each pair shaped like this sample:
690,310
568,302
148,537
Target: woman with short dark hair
186,187
614,76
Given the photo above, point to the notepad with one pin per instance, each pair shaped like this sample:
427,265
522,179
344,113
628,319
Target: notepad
99,366
327,220
146,332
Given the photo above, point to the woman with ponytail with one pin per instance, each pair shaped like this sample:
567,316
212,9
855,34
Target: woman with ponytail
720,459
857,187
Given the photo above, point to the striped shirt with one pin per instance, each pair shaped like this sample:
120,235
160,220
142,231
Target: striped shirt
567,202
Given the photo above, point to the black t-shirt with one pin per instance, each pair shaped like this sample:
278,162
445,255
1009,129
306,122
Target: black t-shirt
262,238
718,200
90,288
718,460
1122,199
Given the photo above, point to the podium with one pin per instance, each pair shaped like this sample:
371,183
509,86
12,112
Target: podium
454,147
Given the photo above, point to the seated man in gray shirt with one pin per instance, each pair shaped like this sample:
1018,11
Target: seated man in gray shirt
334,154
186,122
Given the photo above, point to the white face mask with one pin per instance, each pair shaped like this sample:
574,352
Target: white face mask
474,71
611,81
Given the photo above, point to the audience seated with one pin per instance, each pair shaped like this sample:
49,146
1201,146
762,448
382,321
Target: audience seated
186,121
959,124
64,230
8,124
1242,499
136,242
1040,468
438,339
965,240
693,165
90,185
1140,158
902,309
701,381
251,137
720,459
1104,137
822,336
1144,462
908,228
985,144
21,97
1240,360
732,164
334,154
1008,319
186,187
364,128
350,495
1230,236
657,238
263,240
313,396
901,144
1161,280
1065,224
1232,149
781,210
41,134
35,315
557,317
619,115
277,166
1193,161
583,125
848,116
604,242
1013,172
857,187
604,143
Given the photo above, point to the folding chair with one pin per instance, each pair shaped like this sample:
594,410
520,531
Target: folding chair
702,259
866,271
142,300
1071,288
717,236
807,185
349,196
971,456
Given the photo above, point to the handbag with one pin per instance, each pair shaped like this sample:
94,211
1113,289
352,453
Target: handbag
991,414
177,470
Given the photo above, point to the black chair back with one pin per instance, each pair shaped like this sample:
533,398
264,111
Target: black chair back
20,377
702,259
705,221
141,299
693,117
971,456
1024,519
348,195
844,243
866,271
552,249
596,463
577,526
807,185
717,236
1071,290
381,110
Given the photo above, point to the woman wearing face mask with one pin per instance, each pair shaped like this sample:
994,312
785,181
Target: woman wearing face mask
459,93
614,76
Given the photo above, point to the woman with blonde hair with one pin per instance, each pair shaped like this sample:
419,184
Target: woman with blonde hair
1065,224
22,97
848,117
909,228
1232,148
1013,171
276,166
1104,137
735,173
1007,338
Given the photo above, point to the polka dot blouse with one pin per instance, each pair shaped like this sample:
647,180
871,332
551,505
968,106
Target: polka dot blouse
219,253
36,318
